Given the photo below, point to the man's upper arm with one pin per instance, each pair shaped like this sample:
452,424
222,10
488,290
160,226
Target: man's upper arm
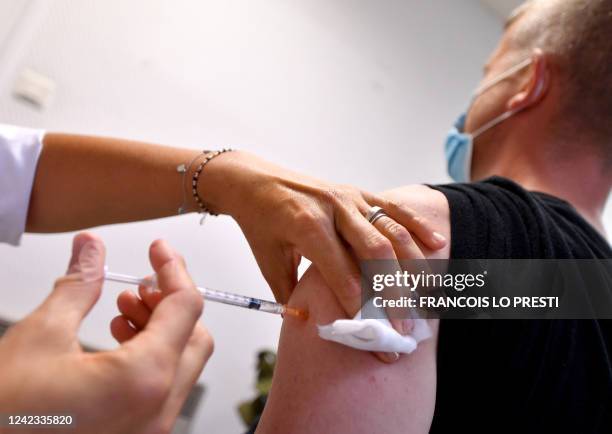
321,386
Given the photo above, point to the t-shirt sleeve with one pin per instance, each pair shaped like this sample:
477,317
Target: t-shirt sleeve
19,152
496,219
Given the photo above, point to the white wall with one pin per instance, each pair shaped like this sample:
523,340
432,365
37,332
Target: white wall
502,7
351,91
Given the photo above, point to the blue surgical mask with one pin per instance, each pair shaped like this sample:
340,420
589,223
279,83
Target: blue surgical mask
460,144
458,150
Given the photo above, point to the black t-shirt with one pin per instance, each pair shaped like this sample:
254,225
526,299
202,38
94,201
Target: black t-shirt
522,375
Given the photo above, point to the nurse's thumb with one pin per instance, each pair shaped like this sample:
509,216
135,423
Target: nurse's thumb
77,292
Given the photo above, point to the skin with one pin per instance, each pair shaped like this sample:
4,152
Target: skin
321,386
139,387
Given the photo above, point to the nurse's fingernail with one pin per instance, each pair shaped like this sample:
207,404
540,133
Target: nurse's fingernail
150,284
91,261
387,357
439,238
390,357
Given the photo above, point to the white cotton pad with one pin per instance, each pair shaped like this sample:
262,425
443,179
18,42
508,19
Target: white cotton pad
374,334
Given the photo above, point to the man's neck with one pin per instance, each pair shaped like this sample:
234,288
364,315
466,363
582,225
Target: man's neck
579,180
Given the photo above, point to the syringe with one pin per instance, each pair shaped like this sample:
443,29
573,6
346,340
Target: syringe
218,296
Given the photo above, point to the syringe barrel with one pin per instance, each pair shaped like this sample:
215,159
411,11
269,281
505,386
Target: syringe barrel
241,300
207,293
222,297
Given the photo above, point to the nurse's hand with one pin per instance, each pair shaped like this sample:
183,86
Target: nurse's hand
286,216
138,388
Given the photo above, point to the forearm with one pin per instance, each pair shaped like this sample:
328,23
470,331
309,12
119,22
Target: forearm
86,181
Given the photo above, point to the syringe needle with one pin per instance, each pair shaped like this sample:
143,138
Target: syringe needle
295,312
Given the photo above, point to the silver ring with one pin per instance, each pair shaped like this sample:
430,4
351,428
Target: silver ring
375,213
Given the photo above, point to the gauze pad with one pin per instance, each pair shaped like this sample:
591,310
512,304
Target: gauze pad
374,334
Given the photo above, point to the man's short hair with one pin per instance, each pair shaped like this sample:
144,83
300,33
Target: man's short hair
578,34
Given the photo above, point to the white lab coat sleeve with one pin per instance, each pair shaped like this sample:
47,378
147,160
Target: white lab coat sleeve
19,152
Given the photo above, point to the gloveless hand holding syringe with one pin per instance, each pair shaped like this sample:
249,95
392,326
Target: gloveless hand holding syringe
216,296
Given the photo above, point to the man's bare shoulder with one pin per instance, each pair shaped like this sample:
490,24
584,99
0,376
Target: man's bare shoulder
427,201
429,204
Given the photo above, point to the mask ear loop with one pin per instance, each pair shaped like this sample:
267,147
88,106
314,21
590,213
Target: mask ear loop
516,68
494,122
467,163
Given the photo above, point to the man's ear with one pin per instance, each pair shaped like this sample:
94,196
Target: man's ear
536,87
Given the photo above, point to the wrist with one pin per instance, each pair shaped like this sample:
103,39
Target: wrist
218,184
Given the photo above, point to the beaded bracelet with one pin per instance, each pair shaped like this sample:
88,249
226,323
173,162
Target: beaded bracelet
204,210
